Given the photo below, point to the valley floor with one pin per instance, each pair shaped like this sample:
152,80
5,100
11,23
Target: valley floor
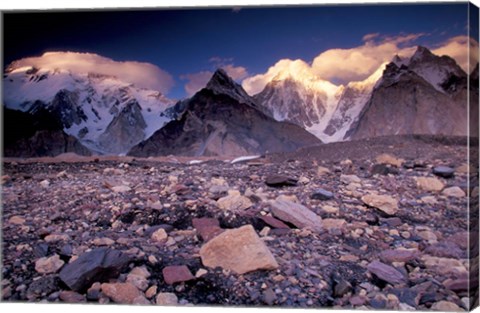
365,255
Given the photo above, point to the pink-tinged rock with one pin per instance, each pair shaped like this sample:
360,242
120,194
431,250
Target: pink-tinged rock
398,255
49,265
239,250
176,274
461,284
166,298
273,222
207,228
295,214
386,272
124,293
72,297
384,203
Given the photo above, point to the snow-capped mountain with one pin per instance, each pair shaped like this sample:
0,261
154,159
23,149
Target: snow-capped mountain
104,113
332,112
434,69
352,100
300,98
222,119
425,94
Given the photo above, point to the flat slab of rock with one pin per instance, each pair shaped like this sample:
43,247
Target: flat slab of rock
239,250
296,214
99,265
176,274
273,222
386,272
386,204
399,255
124,293
280,181
429,183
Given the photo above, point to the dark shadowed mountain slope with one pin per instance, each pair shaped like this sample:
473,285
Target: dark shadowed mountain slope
409,100
217,121
36,135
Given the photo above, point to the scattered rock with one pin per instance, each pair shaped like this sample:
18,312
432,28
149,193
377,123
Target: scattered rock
429,183
389,159
295,214
446,306
348,179
322,194
455,192
399,255
457,285
138,277
45,183
49,265
16,220
104,241
99,265
234,202
166,298
273,222
280,181
445,249
57,237
386,272
443,171
176,274
239,250
160,235
444,266
269,296
124,293
151,292
72,297
207,228
386,204
120,189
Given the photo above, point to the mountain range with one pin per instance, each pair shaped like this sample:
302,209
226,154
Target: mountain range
89,113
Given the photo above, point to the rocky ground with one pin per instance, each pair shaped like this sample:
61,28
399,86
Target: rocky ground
376,224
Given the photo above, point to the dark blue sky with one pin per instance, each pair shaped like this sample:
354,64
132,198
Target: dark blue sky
183,41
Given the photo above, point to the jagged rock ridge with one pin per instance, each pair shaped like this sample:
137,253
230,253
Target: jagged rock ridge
217,123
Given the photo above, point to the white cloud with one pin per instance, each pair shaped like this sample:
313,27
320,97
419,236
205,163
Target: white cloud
142,75
358,63
457,48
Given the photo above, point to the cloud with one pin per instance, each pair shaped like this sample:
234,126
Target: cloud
340,65
369,37
358,63
197,81
457,48
142,75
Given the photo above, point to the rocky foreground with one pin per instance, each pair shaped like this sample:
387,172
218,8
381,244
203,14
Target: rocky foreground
377,224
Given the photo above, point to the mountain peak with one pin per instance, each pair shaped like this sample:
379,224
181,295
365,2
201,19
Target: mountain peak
220,79
221,83
422,53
